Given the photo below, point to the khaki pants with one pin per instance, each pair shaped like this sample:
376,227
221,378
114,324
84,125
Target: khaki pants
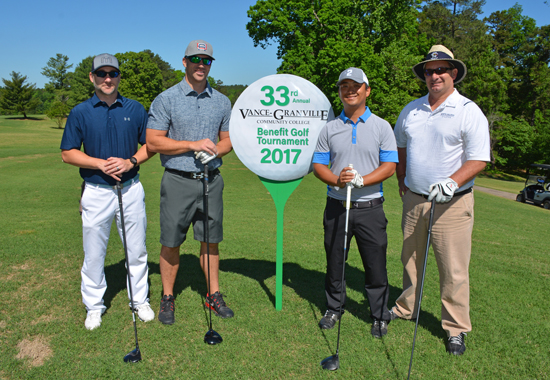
451,242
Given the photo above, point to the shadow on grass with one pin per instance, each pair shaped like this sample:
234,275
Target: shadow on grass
23,118
309,285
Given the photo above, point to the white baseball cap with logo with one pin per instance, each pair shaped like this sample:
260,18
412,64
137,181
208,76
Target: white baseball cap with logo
355,74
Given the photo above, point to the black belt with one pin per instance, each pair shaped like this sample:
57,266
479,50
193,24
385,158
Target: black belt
366,204
193,175
468,190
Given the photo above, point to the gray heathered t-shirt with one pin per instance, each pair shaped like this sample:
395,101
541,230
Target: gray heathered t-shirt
190,116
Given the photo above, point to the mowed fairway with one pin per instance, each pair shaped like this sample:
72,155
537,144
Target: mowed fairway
42,334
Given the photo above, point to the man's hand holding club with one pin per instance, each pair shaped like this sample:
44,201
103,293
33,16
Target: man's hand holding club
205,151
349,175
443,191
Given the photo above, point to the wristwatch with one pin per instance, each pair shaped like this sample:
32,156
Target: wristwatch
133,160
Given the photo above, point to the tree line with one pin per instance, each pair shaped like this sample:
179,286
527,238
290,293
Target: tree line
145,75
507,57
506,54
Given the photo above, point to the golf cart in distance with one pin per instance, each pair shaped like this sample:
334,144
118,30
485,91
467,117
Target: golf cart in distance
537,187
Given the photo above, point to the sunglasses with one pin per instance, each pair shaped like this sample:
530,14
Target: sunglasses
438,71
197,59
103,74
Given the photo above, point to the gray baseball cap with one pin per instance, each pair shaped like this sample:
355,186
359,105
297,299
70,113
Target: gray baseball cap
103,60
197,47
355,74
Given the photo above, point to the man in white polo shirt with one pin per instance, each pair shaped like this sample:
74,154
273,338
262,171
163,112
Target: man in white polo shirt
443,143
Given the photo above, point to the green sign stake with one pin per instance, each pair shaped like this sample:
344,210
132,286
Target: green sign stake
280,192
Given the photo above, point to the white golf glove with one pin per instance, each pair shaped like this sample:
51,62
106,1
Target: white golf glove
443,191
205,157
357,181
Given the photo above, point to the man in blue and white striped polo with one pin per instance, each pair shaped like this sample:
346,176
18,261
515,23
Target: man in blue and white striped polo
365,140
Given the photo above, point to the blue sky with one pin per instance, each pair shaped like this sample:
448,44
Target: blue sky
33,31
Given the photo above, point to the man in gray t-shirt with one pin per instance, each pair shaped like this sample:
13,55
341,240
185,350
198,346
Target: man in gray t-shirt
189,126
363,139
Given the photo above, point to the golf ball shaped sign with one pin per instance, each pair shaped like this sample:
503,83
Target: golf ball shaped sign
275,125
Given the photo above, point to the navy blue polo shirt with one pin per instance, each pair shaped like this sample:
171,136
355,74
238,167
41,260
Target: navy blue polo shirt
105,132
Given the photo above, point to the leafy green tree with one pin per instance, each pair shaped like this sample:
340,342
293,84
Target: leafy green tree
169,75
17,96
318,39
44,99
514,40
81,86
515,142
524,54
57,70
233,92
58,112
141,77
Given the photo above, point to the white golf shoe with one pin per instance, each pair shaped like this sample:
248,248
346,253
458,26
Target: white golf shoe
145,313
93,319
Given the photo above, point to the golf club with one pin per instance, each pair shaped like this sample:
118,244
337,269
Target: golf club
211,336
332,363
135,355
430,223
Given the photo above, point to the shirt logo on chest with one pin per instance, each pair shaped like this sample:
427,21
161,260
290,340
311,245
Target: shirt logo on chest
126,118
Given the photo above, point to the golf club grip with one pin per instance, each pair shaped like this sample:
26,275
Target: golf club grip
348,194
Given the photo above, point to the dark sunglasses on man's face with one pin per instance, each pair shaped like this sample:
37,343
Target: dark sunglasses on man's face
103,74
438,71
197,59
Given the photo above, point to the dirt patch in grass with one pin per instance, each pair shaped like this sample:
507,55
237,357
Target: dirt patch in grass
36,350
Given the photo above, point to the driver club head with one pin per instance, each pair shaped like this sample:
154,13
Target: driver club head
212,337
332,363
133,357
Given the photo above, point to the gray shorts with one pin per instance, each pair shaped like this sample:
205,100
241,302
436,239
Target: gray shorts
182,203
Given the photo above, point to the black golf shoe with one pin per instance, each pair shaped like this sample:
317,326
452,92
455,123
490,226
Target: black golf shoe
456,345
329,320
166,313
379,328
217,304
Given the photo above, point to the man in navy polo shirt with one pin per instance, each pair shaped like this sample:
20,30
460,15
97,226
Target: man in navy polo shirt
189,126
110,127
363,139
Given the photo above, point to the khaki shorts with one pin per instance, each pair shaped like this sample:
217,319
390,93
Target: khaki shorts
182,203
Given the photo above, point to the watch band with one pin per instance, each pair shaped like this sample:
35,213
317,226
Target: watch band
133,160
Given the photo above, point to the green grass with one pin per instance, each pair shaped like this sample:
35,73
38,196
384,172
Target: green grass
41,308
509,186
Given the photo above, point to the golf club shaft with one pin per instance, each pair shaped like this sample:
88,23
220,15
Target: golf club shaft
119,192
430,223
207,237
348,203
